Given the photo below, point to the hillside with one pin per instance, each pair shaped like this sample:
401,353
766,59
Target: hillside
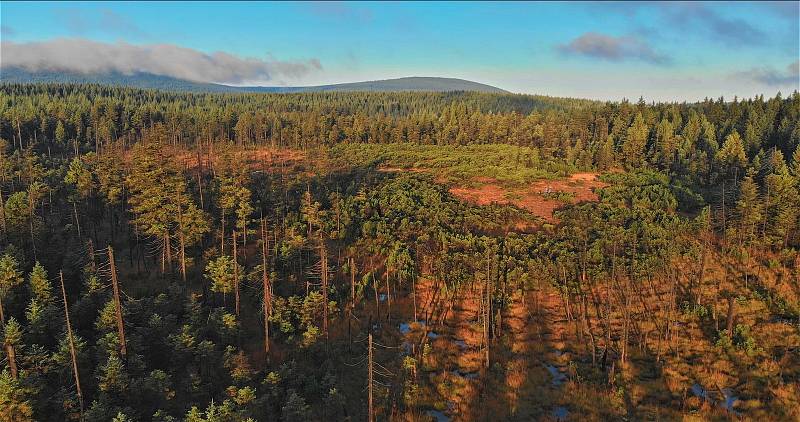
152,81
137,80
415,83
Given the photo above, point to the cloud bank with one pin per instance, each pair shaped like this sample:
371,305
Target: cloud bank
86,56
790,77
606,47
697,16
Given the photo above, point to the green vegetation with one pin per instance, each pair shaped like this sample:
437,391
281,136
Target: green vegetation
221,257
510,165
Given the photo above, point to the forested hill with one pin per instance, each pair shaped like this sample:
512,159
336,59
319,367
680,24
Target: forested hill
425,105
152,81
136,80
392,85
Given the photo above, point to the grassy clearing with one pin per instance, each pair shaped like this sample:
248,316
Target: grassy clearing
508,165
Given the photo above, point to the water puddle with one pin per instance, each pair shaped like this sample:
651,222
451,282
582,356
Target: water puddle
730,400
558,376
784,320
405,327
466,375
701,392
433,335
438,415
461,344
382,297
560,413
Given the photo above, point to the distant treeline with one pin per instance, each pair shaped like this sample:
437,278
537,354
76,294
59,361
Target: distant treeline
678,137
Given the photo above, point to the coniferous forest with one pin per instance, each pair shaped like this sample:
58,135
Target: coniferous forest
396,256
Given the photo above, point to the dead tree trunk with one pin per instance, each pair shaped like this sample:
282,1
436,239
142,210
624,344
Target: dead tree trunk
71,344
267,298
371,417
11,355
117,304
236,274
352,284
731,315
182,243
324,275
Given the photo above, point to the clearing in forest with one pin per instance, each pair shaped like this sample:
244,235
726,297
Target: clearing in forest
541,198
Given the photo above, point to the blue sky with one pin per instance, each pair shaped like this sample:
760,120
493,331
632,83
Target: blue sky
662,51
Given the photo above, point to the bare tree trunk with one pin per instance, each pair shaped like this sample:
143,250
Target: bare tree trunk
267,298
222,235
11,355
371,417
199,178
375,289
324,276
731,315
31,207
182,242
352,283
388,297
488,308
169,252
163,255
71,343
3,213
414,292
236,274
117,304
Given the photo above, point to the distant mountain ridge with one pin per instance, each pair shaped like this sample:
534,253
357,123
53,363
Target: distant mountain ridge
151,81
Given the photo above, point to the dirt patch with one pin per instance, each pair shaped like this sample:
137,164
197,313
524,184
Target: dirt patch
580,185
483,195
538,198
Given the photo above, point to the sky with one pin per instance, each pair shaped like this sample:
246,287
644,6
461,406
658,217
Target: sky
602,50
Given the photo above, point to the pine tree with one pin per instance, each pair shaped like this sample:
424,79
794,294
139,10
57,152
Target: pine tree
61,133
794,168
79,175
748,208
10,277
604,159
666,145
220,272
148,182
731,157
14,400
161,204
41,289
295,409
635,142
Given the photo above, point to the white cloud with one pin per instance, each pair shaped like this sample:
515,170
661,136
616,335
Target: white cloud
790,77
86,56
607,47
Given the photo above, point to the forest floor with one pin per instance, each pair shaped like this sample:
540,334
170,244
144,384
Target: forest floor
257,159
541,198
541,366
